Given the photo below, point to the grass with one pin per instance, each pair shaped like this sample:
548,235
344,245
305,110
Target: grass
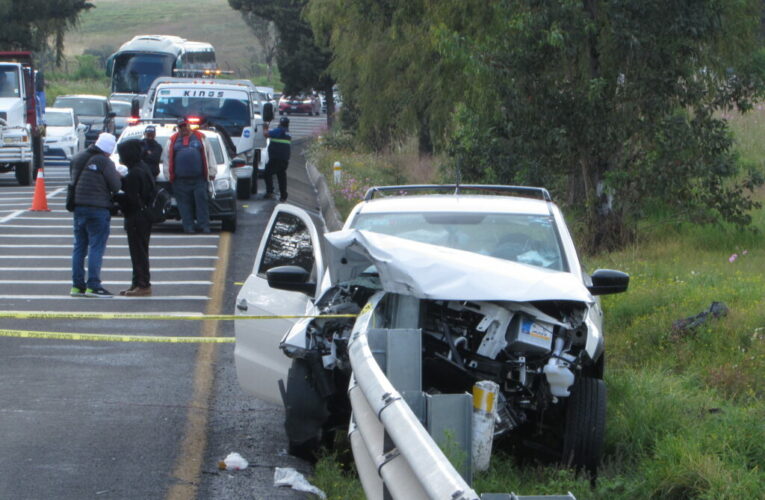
685,410
113,22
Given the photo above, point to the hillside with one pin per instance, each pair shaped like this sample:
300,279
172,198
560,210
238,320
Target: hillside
113,22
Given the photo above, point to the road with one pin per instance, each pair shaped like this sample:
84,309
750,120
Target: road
83,419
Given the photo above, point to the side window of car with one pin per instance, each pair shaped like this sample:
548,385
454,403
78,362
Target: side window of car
289,244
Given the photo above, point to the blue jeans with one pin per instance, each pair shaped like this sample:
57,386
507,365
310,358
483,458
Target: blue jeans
191,195
91,230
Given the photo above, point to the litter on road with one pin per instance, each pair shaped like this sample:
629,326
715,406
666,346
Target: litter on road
287,476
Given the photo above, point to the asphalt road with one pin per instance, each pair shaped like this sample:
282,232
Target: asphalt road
83,419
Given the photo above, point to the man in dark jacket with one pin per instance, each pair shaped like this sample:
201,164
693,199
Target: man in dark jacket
151,150
279,148
137,187
96,182
189,164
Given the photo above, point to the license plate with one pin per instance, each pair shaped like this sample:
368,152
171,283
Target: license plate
293,107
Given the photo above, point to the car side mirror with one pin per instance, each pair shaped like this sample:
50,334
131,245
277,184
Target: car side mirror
238,163
608,281
291,278
268,112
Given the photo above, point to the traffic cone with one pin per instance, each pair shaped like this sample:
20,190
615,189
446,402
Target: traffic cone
40,201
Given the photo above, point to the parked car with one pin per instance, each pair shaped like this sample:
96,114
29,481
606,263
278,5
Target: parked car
121,115
94,111
64,134
224,189
493,282
304,103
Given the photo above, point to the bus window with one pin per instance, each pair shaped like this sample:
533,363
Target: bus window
134,72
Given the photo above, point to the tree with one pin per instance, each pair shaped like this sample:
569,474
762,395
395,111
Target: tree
34,24
611,104
265,32
302,63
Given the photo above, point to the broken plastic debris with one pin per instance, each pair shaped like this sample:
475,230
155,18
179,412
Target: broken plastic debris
234,461
287,476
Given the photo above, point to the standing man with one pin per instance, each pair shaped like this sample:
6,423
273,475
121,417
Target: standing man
279,148
138,187
189,163
96,182
151,150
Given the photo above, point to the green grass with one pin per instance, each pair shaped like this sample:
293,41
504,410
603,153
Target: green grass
686,411
113,22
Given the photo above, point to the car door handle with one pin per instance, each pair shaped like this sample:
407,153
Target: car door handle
242,305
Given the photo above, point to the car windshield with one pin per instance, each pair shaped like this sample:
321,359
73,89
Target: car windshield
82,106
58,118
121,108
9,81
527,239
230,112
135,72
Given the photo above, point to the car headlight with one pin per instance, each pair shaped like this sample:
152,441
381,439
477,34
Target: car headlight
96,127
16,139
222,184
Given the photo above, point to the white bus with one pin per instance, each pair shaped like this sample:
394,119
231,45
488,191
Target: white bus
143,59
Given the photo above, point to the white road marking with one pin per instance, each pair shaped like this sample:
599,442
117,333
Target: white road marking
69,282
115,246
68,297
121,269
12,216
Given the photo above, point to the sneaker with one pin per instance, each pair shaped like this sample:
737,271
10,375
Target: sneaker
125,292
98,292
139,292
77,292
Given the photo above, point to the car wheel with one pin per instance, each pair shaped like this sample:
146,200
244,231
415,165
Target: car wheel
305,411
23,173
585,425
244,188
229,224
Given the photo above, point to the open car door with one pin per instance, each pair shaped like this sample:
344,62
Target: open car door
290,238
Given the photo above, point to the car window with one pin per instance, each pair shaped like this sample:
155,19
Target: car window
58,119
121,108
82,107
288,244
215,145
527,239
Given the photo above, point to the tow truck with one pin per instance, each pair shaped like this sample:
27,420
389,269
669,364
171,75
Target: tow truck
22,108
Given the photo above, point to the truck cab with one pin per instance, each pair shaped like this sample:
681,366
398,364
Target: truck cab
21,116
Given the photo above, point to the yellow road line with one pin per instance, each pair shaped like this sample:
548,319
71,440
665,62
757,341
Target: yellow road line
99,337
156,317
188,467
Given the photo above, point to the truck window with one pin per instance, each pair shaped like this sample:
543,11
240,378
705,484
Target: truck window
9,81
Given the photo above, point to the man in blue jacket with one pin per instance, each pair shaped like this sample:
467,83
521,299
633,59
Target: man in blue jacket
279,148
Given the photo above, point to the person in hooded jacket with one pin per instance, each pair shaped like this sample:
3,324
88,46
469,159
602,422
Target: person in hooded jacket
137,187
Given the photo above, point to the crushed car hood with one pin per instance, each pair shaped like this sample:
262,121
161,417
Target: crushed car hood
439,273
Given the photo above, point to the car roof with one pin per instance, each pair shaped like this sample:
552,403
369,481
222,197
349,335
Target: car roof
456,203
84,96
56,109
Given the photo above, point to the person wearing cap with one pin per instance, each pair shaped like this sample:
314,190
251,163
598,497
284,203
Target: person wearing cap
151,150
189,164
96,181
279,148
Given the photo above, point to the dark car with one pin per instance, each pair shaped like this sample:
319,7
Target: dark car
93,111
304,103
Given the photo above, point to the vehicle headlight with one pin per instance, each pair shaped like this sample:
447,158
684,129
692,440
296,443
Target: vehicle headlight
222,184
96,127
16,139
307,101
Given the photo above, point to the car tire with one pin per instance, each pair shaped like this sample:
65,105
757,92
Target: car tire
305,411
244,188
229,224
585,425
23,173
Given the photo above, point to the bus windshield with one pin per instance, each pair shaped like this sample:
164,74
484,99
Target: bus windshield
230,109
134,72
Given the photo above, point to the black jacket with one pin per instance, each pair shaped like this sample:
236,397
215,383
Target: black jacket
99,180
138,184
151,154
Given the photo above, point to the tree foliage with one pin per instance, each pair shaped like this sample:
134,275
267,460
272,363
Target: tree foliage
302,63
613,105
36,24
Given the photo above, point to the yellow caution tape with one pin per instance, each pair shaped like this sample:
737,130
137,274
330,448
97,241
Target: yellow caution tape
114,338
188,317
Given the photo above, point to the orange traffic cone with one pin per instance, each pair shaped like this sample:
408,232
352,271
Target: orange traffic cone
40,201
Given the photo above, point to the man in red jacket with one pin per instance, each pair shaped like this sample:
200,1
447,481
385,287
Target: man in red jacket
189,163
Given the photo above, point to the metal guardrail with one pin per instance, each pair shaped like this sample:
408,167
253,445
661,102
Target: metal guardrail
396,457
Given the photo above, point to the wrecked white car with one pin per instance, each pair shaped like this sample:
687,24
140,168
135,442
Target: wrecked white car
500,296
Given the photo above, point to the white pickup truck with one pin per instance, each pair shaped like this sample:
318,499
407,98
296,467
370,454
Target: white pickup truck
21,116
